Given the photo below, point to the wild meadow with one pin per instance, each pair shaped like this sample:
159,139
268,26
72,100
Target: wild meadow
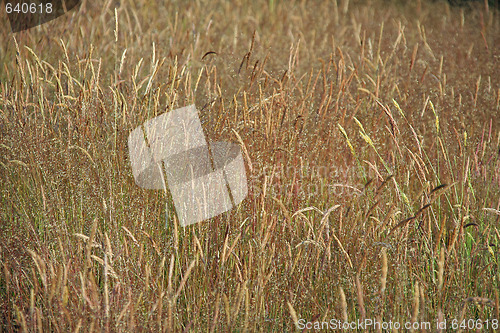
370,131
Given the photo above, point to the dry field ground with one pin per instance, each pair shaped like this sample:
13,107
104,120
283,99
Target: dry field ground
370,132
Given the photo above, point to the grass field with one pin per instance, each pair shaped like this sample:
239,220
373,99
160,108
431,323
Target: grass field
370,132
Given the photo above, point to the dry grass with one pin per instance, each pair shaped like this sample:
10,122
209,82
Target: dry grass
372,139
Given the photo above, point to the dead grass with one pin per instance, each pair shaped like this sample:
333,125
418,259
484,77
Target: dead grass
373,144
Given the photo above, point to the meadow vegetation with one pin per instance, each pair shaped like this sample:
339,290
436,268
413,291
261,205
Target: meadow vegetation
371,135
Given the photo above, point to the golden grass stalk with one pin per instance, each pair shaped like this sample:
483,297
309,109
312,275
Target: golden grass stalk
360,298
416,305
343,305
383,277
293,314
440,271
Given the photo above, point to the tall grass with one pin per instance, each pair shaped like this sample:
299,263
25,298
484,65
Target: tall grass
371,136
